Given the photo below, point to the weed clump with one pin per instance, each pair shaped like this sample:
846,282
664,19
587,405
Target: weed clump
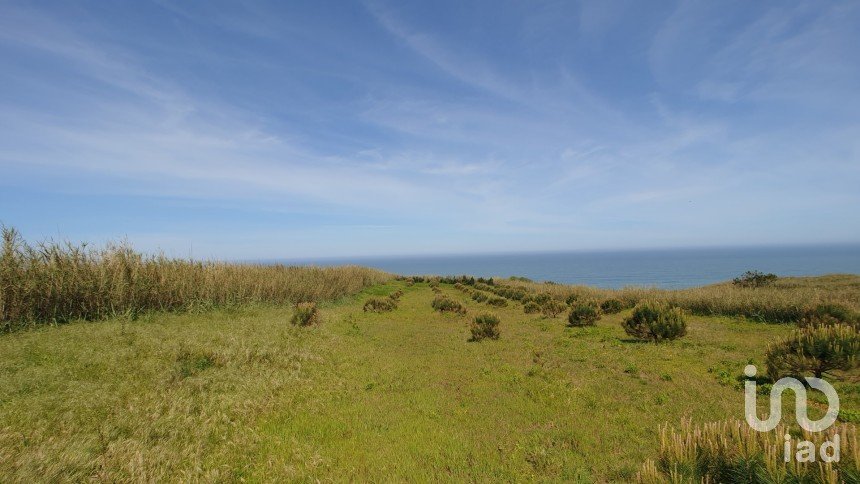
444,304
583,314
306,314
655,321
396,295
485,326
380,304
479,296
814,350
612,306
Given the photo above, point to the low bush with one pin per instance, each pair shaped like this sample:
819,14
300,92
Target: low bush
531,307
396,295
732,451
479,296
305,314
754,279
571,299
444,304
380,304
655,321
485,326
583,314
552,308
612,306
497,301
815,351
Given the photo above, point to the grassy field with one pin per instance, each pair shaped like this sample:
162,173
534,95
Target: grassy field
240,394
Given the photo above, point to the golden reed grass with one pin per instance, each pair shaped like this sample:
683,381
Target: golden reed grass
52,282
731,451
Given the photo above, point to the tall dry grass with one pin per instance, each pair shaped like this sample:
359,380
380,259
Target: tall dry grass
786,301
731,451
57,282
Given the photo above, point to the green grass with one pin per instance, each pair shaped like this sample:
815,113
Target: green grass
242,394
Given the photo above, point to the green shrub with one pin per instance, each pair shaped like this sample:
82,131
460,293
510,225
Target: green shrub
542,298
531,307
306,314
444,304
497,301
583,314
552,308
612,306
396,295
485,326
814,350
655,321
754,279
571,299
479,296
380,304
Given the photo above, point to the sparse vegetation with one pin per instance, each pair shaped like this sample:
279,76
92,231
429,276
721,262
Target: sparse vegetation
485,326
814,351
583,314
655,321
305,314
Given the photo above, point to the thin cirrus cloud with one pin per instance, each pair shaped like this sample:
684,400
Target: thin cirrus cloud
261,130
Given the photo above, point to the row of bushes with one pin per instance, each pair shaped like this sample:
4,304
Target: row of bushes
784,300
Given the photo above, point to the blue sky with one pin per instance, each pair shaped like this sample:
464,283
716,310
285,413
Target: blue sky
302,129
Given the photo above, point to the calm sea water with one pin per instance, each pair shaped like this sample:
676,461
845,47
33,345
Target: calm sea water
674,268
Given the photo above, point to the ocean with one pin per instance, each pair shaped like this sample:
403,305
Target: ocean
666,268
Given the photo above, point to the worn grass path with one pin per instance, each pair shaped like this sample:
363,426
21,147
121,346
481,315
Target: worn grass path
241,394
